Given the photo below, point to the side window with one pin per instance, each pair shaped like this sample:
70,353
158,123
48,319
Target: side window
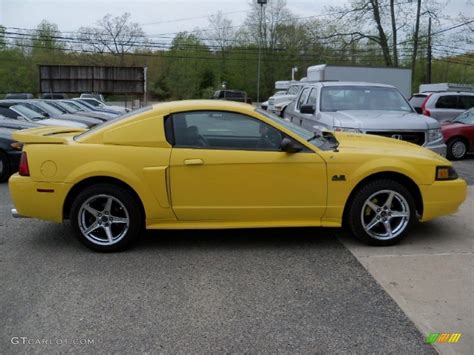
466,102
448,101
223,130
4,111
312,97
302,98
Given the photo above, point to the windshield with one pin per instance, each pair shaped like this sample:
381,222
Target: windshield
48,108
71,106
26,112
341,98
300,131
293,90
466,117
417,100
59,107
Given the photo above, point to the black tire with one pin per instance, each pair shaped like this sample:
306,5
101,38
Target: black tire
403,201
5,170
124,207
454,144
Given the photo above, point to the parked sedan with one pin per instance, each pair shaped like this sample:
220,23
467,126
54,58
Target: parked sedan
221,164
48,110
67,109
10,153
99,104
22,113
459,135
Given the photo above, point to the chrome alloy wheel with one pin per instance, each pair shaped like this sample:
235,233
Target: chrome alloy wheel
458,149
385,214
103,219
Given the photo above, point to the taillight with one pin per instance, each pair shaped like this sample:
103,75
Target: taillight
24,170
424,110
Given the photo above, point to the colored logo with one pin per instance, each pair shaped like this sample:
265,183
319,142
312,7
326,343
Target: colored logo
441,338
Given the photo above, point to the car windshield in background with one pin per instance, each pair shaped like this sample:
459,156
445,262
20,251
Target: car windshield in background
466,117
343,98
417,100
28,113
293,90
48,108
309,136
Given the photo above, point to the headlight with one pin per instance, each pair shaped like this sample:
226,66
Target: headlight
446,173
434,134
347,129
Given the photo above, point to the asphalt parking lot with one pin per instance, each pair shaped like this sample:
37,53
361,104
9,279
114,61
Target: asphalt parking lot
254,291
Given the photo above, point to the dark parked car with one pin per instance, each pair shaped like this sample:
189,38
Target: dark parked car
459,135
54,96
10,153
232,95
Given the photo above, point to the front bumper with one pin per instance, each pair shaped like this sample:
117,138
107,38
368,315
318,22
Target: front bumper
437,147
442,198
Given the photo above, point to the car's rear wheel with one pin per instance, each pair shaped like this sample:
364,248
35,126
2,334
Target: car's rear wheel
457,149
4,167
106,218
381,213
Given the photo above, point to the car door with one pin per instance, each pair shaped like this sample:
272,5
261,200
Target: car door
229,167
294,114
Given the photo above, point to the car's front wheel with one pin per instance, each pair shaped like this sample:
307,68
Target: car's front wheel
381,213
106,218
457,149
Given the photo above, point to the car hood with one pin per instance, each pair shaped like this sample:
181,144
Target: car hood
16,124
281,98
378,145
446,126
381,120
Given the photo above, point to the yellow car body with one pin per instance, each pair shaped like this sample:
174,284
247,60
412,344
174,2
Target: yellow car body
220,188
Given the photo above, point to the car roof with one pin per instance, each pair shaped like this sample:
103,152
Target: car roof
347,83
446,93
202,105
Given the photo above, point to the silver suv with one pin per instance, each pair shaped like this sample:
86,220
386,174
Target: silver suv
365,108
442,106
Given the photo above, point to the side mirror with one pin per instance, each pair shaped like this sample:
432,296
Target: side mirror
290,146
309,109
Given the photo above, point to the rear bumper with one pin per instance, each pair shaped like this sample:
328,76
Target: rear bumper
38,199
442,198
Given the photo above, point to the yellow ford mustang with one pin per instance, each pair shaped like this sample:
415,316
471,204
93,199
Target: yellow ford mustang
217,164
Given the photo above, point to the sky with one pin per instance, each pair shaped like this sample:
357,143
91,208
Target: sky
157,16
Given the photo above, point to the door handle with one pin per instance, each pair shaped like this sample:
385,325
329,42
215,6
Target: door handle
193,162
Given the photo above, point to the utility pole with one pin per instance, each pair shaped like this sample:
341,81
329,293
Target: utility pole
261,3
428,77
